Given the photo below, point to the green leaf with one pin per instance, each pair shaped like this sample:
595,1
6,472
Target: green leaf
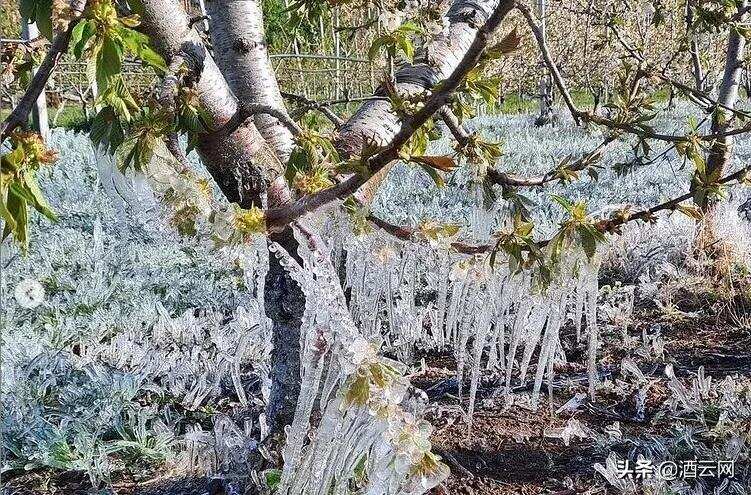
406,46
433,173
44,17
565,203
16,206
375,47
109,62
272,477
106,130
39,11
10,221
27,9
138,44
588,241
82,33
39,202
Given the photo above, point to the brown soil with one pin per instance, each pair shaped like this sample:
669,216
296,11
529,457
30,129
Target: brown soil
506,451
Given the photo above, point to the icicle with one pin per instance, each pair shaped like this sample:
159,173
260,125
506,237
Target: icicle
592,331
481,331
444,263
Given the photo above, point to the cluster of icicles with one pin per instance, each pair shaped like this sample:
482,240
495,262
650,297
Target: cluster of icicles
404,296
365,436
413,295
352,426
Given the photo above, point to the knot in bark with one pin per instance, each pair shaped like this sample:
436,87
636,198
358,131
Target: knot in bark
245,45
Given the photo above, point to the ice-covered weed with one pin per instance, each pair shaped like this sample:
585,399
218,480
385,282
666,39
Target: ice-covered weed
131,335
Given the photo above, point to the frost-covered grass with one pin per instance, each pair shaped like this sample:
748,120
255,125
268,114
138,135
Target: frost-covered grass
150,348
410,196
138,336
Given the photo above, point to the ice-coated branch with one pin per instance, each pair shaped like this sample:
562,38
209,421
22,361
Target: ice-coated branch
611,225
503,178
20,114
279,217
409,234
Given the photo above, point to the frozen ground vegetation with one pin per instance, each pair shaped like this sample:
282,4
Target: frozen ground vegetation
126,343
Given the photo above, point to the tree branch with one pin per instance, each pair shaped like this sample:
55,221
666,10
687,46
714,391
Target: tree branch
552,67
244,112
20,114
279,217
172,143
309,104
610,225
454,126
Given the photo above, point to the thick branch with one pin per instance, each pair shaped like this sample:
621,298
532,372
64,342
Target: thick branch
241,162
240,50
279,217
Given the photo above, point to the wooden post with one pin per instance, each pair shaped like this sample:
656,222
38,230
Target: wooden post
39,119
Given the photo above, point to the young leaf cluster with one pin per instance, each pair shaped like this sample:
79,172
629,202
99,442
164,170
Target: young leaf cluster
19,188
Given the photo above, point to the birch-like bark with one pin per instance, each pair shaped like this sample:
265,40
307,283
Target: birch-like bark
239,41
375,122
240,162
722,119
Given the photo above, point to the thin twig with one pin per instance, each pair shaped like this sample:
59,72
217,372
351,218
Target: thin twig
245,111
20,114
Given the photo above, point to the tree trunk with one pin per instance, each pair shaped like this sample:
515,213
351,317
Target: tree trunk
240,50
240,162
722,119
238,37
711,248
284,303
546,87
